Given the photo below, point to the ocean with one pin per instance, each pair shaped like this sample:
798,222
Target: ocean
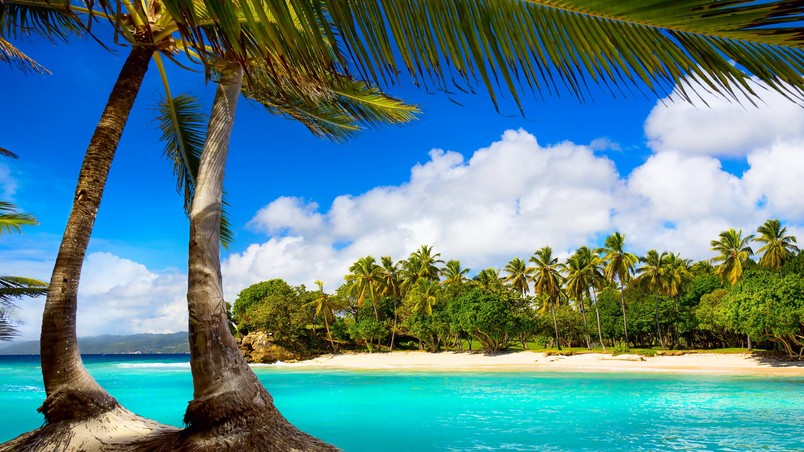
463,411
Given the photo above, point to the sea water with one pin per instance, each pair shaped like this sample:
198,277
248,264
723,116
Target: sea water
463,411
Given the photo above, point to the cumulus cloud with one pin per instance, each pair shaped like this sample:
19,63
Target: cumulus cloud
509,198
119,296
723,128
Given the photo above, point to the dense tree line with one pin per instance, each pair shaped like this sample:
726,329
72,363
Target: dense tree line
594,298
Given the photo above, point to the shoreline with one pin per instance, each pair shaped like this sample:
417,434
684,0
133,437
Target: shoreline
527,361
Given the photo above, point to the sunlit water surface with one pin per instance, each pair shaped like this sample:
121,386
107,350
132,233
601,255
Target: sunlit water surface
423,411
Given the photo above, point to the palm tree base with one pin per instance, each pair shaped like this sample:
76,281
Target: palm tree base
232,421
113,430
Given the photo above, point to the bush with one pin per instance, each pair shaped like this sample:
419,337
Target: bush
621,348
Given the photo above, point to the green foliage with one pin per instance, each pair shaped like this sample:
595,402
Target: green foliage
768,306
367,329
282,311
488,317
620,349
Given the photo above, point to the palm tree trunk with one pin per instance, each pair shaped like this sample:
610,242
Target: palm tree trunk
555,325
329,335
230,408
73,394
658,328
597,314
585,326
622,302
393,331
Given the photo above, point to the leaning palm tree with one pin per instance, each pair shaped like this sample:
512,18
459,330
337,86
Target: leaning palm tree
734,250
777,246
619,267
518,275
547,281
653,275
547,44
325,310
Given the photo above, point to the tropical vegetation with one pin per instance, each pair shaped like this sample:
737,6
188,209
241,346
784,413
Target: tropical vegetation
670,304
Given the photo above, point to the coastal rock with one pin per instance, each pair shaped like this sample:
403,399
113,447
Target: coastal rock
258,347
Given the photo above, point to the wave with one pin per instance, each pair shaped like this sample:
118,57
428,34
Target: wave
21,388
152,365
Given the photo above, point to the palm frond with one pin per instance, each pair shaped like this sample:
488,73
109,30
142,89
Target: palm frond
15,57
9,154
14,287
51,19
183,125
8,328
550,45
334,107
12,221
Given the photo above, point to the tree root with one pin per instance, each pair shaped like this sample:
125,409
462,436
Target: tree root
115,430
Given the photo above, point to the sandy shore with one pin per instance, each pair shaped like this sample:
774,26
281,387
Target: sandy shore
698,363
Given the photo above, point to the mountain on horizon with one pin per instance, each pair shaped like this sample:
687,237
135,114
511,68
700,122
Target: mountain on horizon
146,343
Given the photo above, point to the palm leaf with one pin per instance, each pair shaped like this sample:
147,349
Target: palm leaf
14,56
13,287
52,19
183,126
11,220
334,107
557,45
9,154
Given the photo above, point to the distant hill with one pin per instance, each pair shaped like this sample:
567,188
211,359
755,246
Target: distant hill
103,345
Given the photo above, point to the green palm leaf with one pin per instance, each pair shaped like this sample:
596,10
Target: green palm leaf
183,126
13,287
12,221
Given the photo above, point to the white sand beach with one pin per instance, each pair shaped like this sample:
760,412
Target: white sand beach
693,363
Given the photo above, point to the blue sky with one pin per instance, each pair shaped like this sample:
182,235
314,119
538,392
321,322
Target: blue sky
479,185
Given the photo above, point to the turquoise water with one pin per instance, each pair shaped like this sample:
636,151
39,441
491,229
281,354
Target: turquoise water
415,411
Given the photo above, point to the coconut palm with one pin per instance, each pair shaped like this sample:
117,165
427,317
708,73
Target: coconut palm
487,279
365,280
619,267
653,275
423,296
454,274
518,275
325,309
777,245
580,278
547,281
391,288
734,250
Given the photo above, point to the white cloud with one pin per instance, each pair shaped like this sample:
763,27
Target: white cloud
119,296
776,177
723,128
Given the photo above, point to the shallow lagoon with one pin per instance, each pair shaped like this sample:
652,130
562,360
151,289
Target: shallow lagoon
421,411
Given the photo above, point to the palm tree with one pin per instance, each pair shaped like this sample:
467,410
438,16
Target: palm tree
733,251
518,275
653,274
777,245
325,309
391,288
678,273
487,279
580,278
547,281
365,282
619,266
424,296
453,274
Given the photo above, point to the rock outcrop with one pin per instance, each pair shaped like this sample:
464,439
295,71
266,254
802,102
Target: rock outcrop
259,347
